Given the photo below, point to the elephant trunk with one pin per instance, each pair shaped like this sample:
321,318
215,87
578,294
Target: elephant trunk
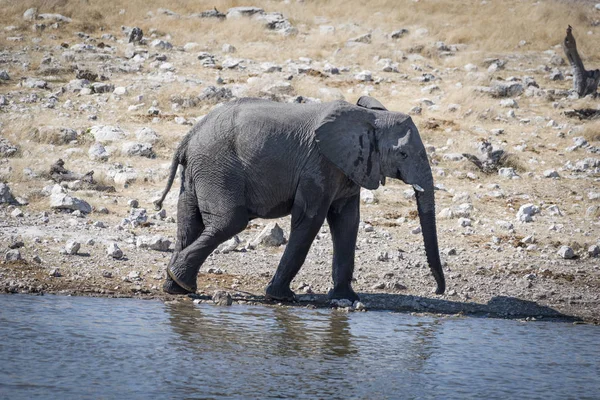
426,209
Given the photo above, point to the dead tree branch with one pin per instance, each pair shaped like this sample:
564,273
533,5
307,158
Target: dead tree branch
584,82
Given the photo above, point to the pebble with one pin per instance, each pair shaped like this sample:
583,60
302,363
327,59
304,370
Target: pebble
113,250
72,247
55,273
272,235
566,252
222,298
13,255
594,251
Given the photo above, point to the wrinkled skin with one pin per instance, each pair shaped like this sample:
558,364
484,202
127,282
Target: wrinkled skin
260,159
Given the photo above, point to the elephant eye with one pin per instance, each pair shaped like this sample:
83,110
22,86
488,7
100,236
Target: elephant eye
403,154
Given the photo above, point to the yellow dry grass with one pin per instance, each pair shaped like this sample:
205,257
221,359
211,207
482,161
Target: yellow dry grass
488,26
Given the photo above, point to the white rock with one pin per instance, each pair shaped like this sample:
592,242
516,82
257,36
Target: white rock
72,247
526,212
107,133
508,173
364,76
367,196
60,200
13,255
464,222
566,252
229,245
98,152
120,91
16,213
137,149
30,14
554,210
113,250
272,235
551,173
156,242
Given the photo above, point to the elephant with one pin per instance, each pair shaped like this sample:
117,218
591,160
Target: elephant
254,158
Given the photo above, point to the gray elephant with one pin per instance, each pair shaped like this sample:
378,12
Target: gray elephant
255,158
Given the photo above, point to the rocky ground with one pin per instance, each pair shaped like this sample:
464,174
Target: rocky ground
515,158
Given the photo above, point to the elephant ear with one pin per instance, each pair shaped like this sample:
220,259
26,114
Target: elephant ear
370,103
346,137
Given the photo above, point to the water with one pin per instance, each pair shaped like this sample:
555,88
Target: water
96,348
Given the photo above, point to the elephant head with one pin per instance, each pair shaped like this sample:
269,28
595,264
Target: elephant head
369,143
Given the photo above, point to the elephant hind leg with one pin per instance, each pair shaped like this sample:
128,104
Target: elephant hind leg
184,265
189,228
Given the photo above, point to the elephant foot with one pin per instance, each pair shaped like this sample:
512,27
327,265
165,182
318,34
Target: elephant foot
171,287
279,293
180,279
343,293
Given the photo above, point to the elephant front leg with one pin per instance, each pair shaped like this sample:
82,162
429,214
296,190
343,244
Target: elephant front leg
343,218
303,232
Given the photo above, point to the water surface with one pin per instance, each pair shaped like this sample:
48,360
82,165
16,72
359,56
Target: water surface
98,348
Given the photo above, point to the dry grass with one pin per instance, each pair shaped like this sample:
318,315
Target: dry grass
493,26
591,131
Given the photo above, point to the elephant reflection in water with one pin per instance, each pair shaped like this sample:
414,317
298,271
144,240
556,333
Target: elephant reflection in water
314,336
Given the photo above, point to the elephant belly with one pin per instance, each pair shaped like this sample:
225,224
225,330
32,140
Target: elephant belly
270,210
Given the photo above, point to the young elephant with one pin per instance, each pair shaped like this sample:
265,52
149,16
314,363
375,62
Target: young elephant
254,158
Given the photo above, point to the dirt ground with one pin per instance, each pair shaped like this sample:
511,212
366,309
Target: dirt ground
503,230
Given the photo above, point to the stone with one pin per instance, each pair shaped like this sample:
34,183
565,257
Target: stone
147,135
397,34
594,251
554,210
17,213
215,94
278,89
133,203
54,273
551,173
229,245
13,255
4,76
383,256
138,149
526,212
506,89
364,76
509,103
137,217
54,17
272,235
102,87
30,14
161,44
97,152
464,222
269,67
113,250
566,252
222,298
368,196
72,247
157,242
107,133
60,200
508,173
359,306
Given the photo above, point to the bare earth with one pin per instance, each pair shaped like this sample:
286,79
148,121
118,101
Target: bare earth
497,262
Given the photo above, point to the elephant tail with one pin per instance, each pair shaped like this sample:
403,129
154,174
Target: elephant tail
179,158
